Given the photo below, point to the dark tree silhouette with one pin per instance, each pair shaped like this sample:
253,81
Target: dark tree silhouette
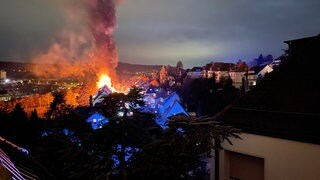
58,107
179,152
34,115
130,146
111,147
128,130
18,114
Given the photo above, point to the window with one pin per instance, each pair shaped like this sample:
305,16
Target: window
242,166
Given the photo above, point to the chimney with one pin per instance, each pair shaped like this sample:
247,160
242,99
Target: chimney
90,100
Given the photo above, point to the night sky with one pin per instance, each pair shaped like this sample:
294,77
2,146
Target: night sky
166,31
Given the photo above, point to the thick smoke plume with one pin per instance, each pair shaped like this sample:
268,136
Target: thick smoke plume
85,47
102,23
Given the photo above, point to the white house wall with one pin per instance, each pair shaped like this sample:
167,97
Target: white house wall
237,78
283,159
264,71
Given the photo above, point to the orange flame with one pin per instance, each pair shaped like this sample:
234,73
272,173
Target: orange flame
105,80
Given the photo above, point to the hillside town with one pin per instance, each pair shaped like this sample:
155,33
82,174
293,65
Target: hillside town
35,93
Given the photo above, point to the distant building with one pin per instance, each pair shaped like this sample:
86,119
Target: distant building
265,70
251,78
97,121
4,95
238,74
218,70
168,107
150,98
196,73
3,75
99,97
163,104
275,63
256,73
221,70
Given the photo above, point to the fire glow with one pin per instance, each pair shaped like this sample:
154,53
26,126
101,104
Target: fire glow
84,48
105,80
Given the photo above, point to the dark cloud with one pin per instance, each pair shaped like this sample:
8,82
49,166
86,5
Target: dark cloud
26,27
207,30
163,32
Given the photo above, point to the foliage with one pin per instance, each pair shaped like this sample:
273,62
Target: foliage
70,98
125,131
99,154
179,152
58,107
179,65
131,146
18,114
34,115
163,75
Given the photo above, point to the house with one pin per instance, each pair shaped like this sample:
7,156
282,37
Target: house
196,73
218,70
99,97
168,107
265,70
165,101
163,104
97,121
152,97
221,70
251,78
276,62
238,73
256,73
280,121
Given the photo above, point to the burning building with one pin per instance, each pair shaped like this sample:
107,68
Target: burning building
84,49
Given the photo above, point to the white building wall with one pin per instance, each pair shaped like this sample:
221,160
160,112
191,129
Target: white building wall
210,74
264,71
284,159
220,74
3,74
195,74
237,78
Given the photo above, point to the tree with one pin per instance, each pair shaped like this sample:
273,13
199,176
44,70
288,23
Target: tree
154,83
206,97
131,145
47,99
179,152
18,114
22,133
127,131
57,108
5,124
65,143
70,98
163,75
34,115
179,66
